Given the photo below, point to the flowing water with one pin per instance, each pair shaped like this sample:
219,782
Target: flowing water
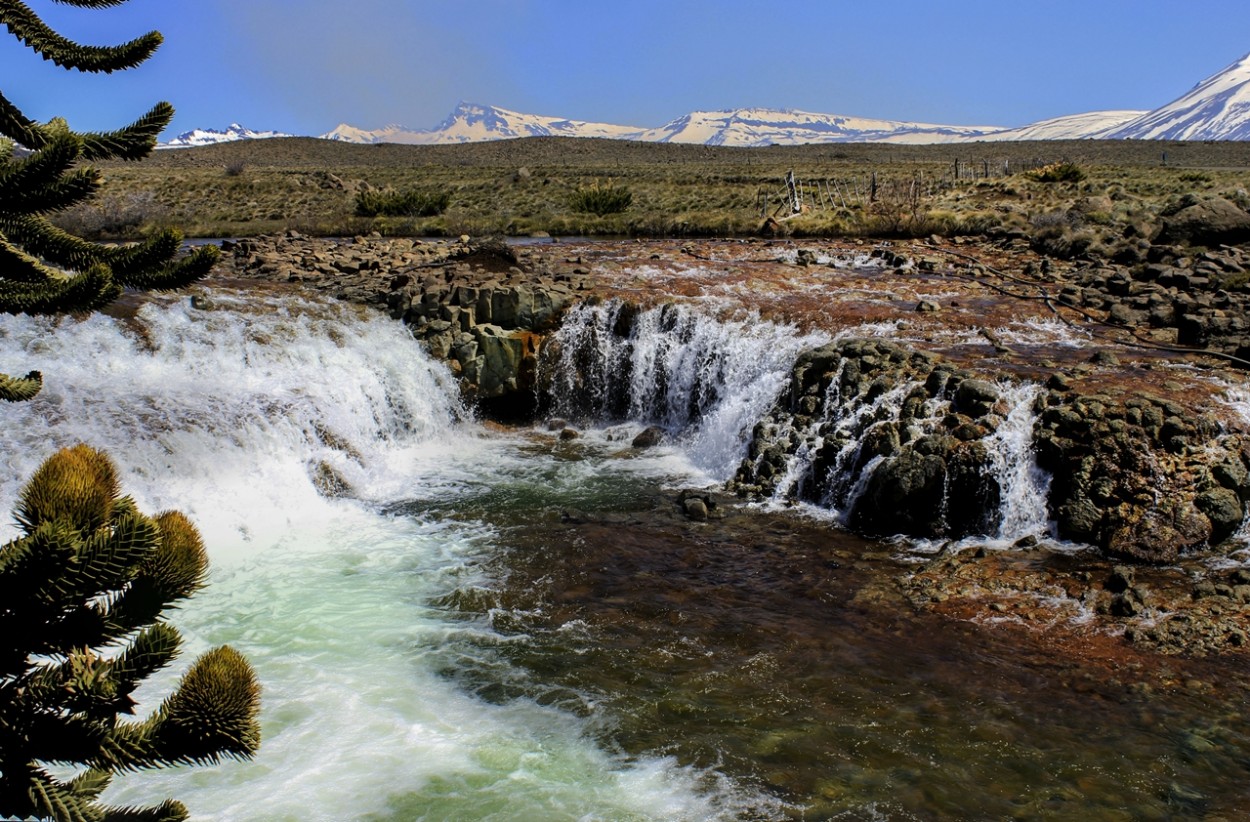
452,622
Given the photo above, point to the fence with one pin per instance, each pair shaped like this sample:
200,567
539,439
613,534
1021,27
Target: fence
859,190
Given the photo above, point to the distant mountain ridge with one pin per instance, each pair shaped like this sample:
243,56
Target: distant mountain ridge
1218,108
208,136
472,122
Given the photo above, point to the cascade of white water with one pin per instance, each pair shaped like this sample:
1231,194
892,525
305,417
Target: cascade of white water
1023,485
835,456
229,414
706,379
843,427
236,415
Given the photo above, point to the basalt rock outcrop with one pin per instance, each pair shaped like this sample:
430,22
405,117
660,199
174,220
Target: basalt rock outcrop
897,439
902,442
1190,299
479,305
1141,476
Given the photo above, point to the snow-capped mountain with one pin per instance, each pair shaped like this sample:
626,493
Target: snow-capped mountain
208,136
768,127
1072,127
472,123
1218,108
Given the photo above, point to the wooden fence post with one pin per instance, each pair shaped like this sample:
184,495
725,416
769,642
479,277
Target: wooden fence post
796,203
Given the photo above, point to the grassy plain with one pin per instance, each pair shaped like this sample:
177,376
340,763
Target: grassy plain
522,187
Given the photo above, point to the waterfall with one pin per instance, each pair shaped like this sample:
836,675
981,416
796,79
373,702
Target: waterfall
251,405
706,379
1023,486
287,429
716,383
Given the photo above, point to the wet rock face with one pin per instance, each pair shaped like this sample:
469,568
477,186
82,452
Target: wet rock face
1142,478
894,439
903,443
476,304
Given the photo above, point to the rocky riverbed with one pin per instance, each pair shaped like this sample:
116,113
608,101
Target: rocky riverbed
1135,366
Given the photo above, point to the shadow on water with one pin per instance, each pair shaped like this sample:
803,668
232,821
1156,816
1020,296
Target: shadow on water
780,652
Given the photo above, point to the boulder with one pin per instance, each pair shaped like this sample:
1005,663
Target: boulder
649,437
695,508
502,356
976,398
1211,222
1223,508
904,496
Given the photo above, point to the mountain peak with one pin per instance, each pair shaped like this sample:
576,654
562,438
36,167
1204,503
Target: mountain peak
208,136
1218,108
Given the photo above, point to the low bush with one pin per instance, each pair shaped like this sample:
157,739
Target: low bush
113,216
1062,172
1196,177
383,203
601,199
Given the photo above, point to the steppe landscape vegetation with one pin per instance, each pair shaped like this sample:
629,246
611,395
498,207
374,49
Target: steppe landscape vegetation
1068,196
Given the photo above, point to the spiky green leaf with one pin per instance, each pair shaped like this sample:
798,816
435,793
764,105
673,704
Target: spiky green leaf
26,26
20,389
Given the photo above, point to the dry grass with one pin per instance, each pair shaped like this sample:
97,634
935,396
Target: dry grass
519,187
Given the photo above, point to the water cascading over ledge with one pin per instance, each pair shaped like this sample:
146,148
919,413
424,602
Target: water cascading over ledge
704,379
895,441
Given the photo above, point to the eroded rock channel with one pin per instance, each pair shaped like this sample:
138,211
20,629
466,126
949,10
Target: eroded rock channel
1001,408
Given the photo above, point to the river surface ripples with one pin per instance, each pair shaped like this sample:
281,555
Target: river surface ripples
455,622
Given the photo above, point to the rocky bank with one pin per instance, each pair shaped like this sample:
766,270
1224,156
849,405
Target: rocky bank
1119,367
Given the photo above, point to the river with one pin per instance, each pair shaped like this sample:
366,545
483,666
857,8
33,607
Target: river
454,621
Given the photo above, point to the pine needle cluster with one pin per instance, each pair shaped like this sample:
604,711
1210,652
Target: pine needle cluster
82,592
44,270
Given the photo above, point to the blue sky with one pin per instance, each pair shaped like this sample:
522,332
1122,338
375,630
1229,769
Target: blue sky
304,66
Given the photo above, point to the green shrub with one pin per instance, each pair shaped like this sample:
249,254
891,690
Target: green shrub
1057,173
601,199
1198,177
375,203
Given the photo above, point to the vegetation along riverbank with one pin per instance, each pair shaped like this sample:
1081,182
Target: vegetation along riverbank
1011,412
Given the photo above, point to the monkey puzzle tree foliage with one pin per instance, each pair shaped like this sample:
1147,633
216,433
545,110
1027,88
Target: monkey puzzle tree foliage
44,270
83,590
81,596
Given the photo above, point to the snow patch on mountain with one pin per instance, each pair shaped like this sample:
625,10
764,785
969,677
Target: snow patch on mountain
208,136
1091,124
751,127
1218,108
472,123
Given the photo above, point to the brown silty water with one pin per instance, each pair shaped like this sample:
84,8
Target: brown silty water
854,678
789,655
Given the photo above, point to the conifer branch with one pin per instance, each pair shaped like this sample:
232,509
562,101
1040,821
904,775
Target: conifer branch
89,291
26,26
20,389
132,142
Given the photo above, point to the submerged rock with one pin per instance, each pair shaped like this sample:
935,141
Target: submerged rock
649,437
